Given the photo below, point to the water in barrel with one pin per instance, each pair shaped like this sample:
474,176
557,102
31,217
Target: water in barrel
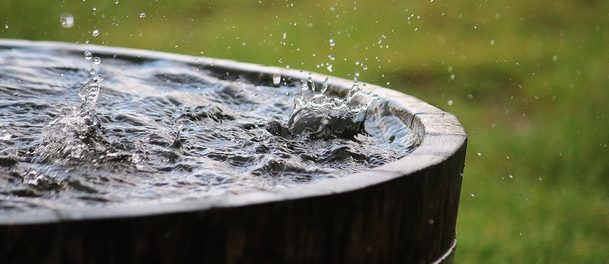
87,129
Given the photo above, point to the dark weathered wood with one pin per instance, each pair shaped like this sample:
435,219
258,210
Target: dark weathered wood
402,212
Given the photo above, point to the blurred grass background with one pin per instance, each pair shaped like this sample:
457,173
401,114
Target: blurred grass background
528,80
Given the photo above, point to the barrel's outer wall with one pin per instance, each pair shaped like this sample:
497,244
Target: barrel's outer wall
409,219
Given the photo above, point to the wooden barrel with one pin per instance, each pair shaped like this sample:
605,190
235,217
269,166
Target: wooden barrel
402,212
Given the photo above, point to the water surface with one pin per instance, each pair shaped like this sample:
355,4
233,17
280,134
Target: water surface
76,133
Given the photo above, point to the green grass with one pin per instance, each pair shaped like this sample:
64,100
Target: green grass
530,86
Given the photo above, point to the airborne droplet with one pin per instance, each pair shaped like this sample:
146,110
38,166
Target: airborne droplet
67,20
332,43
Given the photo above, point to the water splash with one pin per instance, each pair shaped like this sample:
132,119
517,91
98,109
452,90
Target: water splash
89,93
76,137
317,115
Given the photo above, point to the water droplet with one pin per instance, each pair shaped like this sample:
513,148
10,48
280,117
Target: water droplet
88,55
284,36
555,58
276,79
331,57
511,176
332,43
97,79
6,26
492,42
450,102
310,83
95,32
430,221
479,154
142,15
96,60
472,195
452,77
67,20
330,67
